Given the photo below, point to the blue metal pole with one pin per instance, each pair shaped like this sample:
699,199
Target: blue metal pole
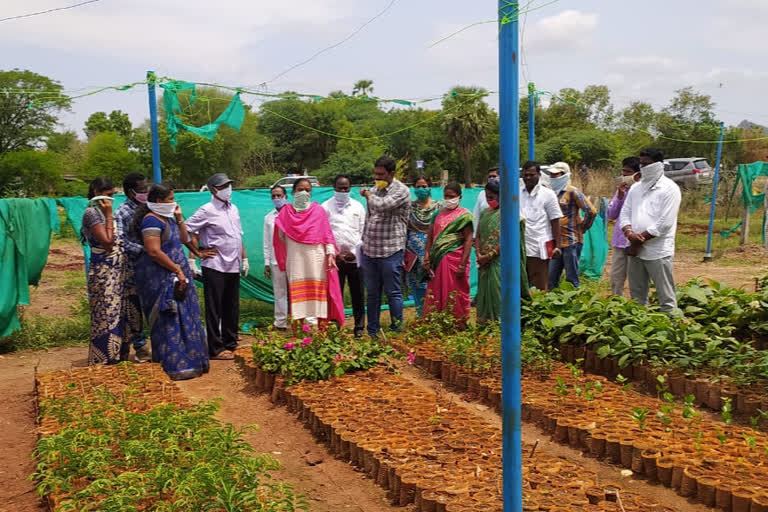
157,176
509,137
708,254
531,121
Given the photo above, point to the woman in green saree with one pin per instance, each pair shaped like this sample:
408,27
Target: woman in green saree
446,262
487,250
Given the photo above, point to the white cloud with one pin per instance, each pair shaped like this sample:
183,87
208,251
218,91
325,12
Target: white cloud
566,31
192,36
645,64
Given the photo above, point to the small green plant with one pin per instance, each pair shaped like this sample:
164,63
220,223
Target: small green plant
725,413
624,383
639,415
561,388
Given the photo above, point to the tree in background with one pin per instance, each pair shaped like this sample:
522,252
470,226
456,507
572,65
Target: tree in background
107,154
362,88
688,117
466,119
29,105
117,121
29,173
61,142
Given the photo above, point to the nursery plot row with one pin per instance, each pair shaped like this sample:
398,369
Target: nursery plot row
666,441
123,438
717,338
426,450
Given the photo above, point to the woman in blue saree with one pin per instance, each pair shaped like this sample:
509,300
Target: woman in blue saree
166,288
423,212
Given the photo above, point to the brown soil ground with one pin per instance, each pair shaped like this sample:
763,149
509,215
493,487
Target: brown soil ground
330,484
52,296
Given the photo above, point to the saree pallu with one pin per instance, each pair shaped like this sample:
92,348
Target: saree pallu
445,290
419,221
176,329
134,325
106,286
488,298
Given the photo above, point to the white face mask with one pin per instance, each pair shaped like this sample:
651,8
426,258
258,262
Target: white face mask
162,209
225,194
451,204
341,197
301,200
559,183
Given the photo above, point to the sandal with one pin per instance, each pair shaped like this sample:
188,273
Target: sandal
224,355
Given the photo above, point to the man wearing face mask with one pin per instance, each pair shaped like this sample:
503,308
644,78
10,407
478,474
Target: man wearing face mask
271,269
135,188
649,221
481,204
347,218
541,211
620,260
216,225
384,237
572,226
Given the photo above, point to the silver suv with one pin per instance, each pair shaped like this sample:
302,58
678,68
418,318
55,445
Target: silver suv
689,172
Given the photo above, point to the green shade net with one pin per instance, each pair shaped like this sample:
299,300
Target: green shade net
255,204
746,176
25,237
233,116
594,253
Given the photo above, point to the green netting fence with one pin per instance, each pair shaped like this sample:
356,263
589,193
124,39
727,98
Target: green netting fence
751,198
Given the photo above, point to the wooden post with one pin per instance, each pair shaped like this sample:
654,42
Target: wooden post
745,227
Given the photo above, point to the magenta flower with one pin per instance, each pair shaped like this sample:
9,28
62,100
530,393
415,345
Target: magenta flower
289,345
262,342
411,357
306,328
338,358
306,341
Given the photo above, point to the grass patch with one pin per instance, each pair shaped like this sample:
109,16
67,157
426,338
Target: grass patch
40,333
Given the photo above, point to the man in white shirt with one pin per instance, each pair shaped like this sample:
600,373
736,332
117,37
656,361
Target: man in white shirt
541,210
649,221
271,270
481,204
347,218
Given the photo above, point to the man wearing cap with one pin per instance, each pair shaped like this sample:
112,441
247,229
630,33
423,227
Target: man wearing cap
216,227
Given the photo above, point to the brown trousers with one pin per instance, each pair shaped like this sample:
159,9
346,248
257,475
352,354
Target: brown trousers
538,272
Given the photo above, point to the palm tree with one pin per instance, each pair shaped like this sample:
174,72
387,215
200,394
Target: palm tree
362,88
466,119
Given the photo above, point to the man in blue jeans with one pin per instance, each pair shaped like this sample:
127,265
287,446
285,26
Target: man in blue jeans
572,226
384,235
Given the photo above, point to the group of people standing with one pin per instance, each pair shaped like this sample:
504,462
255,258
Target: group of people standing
312,251
139,271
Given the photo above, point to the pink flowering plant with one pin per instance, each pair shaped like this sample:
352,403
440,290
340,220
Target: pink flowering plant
317,355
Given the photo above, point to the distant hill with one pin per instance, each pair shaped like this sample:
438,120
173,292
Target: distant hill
745,125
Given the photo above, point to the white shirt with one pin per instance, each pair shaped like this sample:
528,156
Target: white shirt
480,206
347,223
268,233
654,211
539,208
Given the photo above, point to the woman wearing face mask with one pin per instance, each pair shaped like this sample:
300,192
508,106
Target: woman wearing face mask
423,212
305,250
449,244
630,174
106,277
168,297
487,249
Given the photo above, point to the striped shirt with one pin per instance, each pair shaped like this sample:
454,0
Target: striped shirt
572,226
386,221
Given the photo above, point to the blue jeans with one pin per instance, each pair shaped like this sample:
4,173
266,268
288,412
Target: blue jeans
568,260
384,274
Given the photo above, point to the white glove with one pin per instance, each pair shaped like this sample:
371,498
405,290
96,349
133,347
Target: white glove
246,267
193,266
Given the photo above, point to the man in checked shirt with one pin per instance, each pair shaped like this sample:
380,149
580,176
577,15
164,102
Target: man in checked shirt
572,226
386,224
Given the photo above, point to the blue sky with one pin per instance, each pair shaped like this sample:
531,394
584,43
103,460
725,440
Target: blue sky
642,51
